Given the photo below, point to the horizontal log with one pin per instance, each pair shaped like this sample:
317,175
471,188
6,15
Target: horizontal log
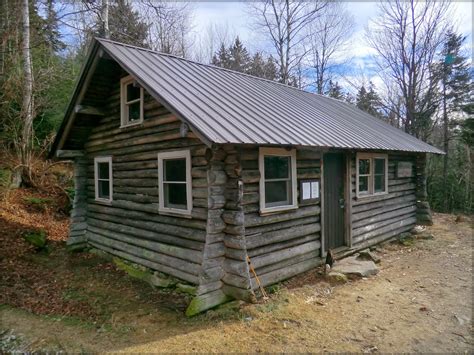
382,214
148,263
383,227
282,245
239,293
276,256
282,264
187,254
170,262
252,220
258,240
392,199
169,229
207,301
286,272
281,225
360,244
139,233
144,212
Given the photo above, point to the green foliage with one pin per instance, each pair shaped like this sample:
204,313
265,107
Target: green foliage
369,101
37,238
334,90
54,73
456,194
237,58
39,204
5,178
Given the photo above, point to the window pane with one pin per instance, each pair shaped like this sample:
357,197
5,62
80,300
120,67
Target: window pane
363,184
364,166
175,196
103,169
276,167
174,169
277,193
379,183
133,92
104,189
134,112
379,165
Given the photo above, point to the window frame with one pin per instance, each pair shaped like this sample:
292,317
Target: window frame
97,160
371,175
124,119
280,152
177,154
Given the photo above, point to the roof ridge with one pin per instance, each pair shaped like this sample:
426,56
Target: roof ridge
216,67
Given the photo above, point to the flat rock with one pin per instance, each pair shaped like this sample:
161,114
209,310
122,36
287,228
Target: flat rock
352,266
336,277
368,255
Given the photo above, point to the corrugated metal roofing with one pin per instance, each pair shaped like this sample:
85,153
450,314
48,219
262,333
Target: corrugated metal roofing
230,107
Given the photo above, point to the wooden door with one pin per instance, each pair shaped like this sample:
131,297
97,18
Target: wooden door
333,209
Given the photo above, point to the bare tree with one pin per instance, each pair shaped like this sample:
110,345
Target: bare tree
284,23
170,25
328,38
105,19
407,36
206,43
27,111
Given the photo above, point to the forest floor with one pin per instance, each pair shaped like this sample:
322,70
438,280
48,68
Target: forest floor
420,301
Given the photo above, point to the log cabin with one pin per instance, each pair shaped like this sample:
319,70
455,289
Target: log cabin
192,170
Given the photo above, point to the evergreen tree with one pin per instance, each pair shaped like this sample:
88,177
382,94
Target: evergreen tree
335,90
456,88
368,100
271,69
238,57
222,57
126,25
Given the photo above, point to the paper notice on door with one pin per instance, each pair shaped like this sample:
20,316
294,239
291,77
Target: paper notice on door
315,189
306,190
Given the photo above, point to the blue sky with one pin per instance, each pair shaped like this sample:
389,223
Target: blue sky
234,16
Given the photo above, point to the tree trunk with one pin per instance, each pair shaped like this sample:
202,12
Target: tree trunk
446,150
105,19
27,104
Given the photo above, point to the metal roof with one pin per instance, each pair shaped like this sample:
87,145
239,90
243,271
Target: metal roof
225,106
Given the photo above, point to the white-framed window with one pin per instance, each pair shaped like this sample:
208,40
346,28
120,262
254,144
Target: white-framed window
371,174
278,185
103,179
174,182
131,102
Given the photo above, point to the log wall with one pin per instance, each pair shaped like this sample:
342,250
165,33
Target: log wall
78,227
282,244
377,218
130,226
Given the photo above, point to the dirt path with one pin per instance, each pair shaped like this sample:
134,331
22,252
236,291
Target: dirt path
421,301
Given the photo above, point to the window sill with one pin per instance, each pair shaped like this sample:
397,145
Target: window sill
131,125
175,213
276,210
373,197
103,202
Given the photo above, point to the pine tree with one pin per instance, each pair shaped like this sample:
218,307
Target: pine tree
239,57
368,100
456,88
126,25
335,90
222,57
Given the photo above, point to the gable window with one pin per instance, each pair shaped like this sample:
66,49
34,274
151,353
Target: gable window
372,174
103,179
277,179
174,182
131,102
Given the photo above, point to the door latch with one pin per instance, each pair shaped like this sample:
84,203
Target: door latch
341,203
